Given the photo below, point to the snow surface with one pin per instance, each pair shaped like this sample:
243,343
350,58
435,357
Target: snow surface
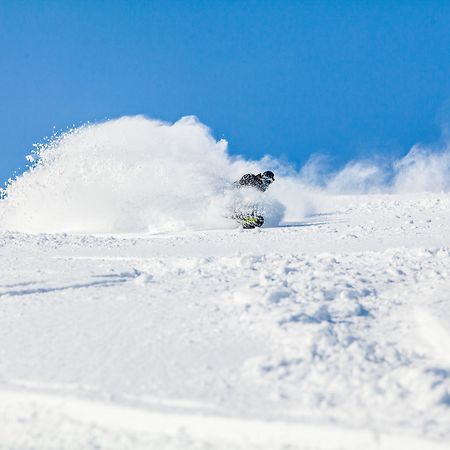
135,315
330,333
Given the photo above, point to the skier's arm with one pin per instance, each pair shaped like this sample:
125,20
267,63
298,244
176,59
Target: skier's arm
247,180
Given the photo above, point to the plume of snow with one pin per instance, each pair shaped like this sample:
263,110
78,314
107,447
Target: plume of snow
423,169
132,174
135,174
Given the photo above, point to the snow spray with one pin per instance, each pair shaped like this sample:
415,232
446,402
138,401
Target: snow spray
132,174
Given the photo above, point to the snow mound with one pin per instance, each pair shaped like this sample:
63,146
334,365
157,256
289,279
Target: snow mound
132,174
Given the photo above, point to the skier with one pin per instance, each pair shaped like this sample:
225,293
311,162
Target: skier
260,182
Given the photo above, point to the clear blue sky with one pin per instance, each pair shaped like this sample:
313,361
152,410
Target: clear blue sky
289,78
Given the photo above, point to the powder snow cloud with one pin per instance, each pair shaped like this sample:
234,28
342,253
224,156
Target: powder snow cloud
135,174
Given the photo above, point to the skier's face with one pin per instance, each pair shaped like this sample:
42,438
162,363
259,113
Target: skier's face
267,181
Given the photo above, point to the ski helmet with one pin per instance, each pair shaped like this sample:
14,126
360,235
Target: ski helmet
268,175
267,179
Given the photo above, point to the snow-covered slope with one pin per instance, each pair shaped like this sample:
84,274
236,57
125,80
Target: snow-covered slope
329,333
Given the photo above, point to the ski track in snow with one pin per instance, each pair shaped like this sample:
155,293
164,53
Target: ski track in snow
331,333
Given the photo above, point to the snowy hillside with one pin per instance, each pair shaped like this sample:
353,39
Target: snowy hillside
134,314
331,333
